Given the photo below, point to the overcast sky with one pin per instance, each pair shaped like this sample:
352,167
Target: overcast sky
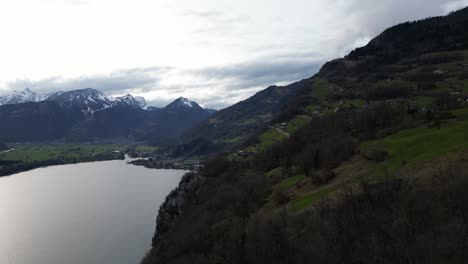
215,52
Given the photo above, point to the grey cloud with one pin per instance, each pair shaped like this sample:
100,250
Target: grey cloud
454,5
352,23
113,83
217,21
229,98
261,73
231,82
371,17
239,81
224,98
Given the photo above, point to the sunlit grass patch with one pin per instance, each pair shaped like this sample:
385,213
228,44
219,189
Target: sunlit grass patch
297,123
289,182
269,138
412,146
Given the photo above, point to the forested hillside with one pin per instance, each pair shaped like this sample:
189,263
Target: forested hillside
367,163
232,126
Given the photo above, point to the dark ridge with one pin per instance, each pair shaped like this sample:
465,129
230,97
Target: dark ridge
415,38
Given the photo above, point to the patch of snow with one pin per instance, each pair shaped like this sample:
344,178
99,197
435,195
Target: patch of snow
141,101
24,96
186,101
91,100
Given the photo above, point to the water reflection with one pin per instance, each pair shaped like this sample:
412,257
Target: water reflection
101,212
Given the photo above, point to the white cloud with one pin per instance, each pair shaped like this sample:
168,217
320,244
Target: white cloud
214,51
454,5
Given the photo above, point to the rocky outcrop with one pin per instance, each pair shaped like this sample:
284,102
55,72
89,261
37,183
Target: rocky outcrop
173,206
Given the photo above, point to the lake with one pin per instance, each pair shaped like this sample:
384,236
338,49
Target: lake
93,213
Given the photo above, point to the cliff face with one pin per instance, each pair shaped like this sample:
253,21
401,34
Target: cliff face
172,207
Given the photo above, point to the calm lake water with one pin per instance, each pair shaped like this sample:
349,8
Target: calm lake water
88,213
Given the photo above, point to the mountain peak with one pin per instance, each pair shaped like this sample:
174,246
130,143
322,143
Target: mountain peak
141,101
183,103
23,96
87,100
26,93
186,101
130,100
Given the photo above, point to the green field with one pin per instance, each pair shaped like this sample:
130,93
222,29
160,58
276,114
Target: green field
275,172
422,101
145,148
321,88
303,201
296,123
289,182
413,146
269,138
42,152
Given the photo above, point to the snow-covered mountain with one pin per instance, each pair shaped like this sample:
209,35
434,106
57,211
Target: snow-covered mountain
87,100
24,96
183,103
129,100
88,114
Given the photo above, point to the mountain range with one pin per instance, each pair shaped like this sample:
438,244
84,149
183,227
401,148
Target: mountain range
92,100
85,115
367,73
24,96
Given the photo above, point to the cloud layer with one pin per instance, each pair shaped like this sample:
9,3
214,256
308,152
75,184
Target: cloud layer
217,53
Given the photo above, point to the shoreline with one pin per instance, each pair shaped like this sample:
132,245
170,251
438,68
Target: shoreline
190,164
11,167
